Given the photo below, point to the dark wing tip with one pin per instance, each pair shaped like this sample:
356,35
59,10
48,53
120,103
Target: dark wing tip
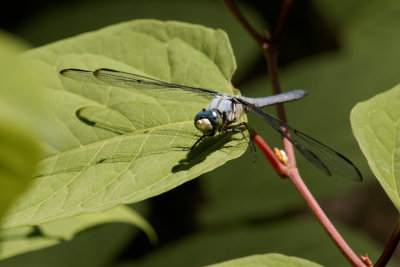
62,72
356,178
359,178
354,174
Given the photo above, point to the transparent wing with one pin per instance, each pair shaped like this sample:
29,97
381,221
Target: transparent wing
127,80
322,156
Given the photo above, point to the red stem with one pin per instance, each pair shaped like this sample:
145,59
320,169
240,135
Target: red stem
270,55
239,16
283,19
293,174
269,154
292,171
270,49
390,247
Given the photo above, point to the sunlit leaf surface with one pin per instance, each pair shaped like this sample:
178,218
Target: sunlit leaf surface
376,125
88,168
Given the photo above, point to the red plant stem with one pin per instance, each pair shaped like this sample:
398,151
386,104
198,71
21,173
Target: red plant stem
270,50
270,55
293,174
282,22
390,247
239,16
269,154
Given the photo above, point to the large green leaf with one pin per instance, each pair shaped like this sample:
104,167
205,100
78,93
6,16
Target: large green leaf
88,169
376,125
266,260
19,151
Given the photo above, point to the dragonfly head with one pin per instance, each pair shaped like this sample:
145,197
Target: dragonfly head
208,121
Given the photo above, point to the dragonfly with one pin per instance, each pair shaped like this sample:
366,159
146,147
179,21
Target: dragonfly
224,112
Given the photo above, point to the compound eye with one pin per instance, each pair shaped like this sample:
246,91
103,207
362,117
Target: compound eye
204,125
215,118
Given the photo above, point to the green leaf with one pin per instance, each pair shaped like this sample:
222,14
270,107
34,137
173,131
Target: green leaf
16,232
20,240
267,260
14,247
98,246
376,125
19,151
69,227
91,169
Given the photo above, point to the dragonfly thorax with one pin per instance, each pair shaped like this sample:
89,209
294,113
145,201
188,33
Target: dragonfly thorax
208,121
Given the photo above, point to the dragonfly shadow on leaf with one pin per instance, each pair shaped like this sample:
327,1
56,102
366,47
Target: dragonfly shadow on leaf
104,118
203,150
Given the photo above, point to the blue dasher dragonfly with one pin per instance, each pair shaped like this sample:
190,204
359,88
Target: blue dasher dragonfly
225,110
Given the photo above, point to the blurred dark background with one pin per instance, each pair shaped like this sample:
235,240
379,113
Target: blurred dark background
341,53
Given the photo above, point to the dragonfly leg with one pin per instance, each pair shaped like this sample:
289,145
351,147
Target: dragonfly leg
235,129
195,144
